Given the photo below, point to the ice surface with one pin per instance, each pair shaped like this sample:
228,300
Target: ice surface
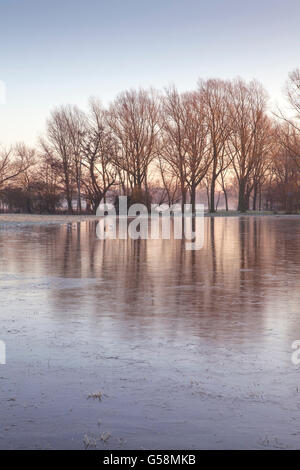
185,349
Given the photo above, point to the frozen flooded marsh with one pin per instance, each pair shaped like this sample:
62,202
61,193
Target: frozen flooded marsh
141,344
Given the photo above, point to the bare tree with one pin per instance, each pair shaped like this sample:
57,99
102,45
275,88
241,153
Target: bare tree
213,93
163,147
133,117
47,185
225,185
26,179
293,95
247,106
99,149
285,167
173,130
196,143
14,162
263,160
76,127
56,148
65,131
185,140
170,191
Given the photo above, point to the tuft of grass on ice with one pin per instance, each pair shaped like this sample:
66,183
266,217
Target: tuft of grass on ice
89,442
96,396
105,436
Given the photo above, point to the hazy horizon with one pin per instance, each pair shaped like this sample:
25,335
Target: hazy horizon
55,53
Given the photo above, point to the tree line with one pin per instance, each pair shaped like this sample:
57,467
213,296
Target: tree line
220,139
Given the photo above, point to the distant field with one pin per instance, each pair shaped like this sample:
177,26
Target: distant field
33,219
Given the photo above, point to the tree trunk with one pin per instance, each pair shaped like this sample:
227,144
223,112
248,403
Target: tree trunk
254,198
208,198
218,200
226,199
260,200
247,199
69,201
193,198
242,203
183,197
70,207
212,194
78,201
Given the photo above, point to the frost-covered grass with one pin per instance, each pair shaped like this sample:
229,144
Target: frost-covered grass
234,213
16,220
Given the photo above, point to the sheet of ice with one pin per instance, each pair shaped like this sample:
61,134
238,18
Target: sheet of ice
185,349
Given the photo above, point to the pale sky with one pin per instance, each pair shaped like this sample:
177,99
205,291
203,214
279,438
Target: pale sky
63,51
